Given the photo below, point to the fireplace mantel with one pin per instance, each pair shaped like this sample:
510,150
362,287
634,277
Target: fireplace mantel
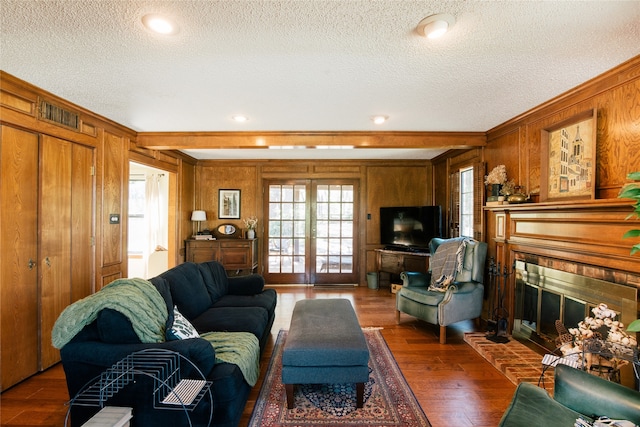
587,232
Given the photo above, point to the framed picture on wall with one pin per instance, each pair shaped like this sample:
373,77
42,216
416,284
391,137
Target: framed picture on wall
228,204
569,158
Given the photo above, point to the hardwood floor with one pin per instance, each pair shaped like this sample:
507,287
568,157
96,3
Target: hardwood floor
454,385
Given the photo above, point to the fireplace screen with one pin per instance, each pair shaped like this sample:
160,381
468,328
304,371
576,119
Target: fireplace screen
550,311
544,295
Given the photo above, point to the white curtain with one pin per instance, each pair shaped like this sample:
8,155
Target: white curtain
153,208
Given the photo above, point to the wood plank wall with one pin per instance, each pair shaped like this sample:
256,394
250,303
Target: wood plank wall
382,183
583,232
516,143
114,146
616,97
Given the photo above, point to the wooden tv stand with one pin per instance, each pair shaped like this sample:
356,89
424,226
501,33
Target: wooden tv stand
393,263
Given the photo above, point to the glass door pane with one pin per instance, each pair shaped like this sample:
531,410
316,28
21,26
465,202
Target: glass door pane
334,225
287,232
334,229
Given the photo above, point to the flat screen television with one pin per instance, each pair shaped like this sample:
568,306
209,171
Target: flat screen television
410,228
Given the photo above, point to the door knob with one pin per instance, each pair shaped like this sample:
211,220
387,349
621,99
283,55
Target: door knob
31,264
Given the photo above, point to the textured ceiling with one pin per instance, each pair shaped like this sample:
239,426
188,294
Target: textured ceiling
313,65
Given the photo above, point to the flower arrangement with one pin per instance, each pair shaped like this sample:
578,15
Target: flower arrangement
250,223
508,188
601,333
498,175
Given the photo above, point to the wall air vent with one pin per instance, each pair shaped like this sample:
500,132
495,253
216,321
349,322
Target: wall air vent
58,115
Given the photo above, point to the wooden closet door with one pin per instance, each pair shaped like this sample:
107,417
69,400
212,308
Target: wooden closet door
55,239
18,258
66,233
82,230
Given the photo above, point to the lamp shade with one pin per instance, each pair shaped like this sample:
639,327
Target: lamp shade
198,216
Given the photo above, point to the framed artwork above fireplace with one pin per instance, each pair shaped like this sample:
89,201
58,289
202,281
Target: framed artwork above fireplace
569,158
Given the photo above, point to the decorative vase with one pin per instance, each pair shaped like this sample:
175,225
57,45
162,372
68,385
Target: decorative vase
493,192
251,234
518,196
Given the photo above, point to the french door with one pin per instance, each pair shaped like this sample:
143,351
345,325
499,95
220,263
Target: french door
311,231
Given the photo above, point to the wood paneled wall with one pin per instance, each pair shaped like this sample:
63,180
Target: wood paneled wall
616,97
382,183
516,143
585,232
114,146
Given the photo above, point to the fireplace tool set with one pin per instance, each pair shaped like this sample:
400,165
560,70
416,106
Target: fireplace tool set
498,324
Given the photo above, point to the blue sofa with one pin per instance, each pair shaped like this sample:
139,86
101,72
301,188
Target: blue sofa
211,302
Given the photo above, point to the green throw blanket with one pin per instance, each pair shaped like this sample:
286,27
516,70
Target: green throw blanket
136,298
238,348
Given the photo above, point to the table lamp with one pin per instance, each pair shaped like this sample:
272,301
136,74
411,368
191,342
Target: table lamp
198,216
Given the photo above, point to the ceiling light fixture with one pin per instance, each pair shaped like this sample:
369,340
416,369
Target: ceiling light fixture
239,118
435,26
159,24
379,119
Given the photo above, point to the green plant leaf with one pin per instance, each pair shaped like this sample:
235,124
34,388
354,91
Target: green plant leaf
634,176
634,326
631,191
631,233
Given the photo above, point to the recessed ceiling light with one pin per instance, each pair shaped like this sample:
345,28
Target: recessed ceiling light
379,119
159,24
435,26
239,118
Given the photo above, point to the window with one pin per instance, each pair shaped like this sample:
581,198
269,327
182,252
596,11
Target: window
137,230
466,202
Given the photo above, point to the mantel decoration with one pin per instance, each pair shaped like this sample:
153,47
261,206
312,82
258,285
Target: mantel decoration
568,150
229,204
250,224
513,193
494,181
599,342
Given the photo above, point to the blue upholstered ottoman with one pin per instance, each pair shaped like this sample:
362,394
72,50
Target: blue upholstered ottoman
325,345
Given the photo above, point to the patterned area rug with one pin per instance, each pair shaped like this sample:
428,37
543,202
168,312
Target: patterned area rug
388,400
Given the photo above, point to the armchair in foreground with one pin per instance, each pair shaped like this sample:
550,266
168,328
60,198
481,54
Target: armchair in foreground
576,394
456,301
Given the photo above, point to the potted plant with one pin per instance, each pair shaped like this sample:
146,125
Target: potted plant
632,191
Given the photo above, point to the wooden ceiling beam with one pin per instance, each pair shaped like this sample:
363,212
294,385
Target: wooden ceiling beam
228,140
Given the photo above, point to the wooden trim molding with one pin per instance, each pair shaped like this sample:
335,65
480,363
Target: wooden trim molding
588,232
194,140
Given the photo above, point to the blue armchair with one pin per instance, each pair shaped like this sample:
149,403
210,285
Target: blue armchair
461,301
